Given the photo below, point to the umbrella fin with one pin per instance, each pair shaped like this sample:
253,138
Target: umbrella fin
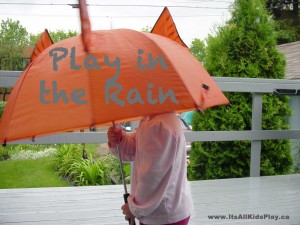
165,26
43,42
85,25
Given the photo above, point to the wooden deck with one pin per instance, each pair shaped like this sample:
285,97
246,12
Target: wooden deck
240,200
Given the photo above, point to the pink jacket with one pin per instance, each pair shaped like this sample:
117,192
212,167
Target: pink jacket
160,193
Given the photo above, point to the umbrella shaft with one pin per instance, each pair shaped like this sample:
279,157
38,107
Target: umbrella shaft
122,170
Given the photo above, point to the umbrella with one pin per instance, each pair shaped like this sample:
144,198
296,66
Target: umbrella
124,75
103,76
127,74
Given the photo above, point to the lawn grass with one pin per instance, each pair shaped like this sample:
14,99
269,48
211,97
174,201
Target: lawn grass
29,173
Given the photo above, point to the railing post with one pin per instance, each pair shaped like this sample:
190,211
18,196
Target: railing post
256,144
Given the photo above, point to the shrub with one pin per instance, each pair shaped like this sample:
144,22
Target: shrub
65,156
4,153
87,172
114,172
2,106
244,47
93,171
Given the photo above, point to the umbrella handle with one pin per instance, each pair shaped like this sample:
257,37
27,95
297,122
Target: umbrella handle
126,195
126,201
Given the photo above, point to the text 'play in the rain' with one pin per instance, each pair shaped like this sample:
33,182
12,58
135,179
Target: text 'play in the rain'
53,92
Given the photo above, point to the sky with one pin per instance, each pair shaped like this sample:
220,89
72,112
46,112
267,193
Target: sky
193,18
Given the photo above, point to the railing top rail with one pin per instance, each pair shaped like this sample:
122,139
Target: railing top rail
101,137
227,84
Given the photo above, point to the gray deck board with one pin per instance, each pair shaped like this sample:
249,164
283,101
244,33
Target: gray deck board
256,196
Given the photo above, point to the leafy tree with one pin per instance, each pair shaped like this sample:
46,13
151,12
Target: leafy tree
285,9
56,36
198,49
2,106
244,47
59,35
286,32
33,38
13,39
286,13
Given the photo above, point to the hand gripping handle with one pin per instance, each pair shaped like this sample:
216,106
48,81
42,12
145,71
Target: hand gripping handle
126,201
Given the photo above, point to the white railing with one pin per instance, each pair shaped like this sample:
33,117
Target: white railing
258,87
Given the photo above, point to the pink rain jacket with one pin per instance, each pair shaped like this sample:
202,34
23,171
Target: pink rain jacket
160,193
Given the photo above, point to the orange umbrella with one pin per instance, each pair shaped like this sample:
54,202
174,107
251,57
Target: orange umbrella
103,76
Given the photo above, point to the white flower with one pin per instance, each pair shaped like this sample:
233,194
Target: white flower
29,154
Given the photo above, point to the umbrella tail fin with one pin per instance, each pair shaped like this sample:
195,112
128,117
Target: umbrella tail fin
43,42
165,26
85,25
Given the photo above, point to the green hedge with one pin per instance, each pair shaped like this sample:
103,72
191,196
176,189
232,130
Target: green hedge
244,47
2,106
